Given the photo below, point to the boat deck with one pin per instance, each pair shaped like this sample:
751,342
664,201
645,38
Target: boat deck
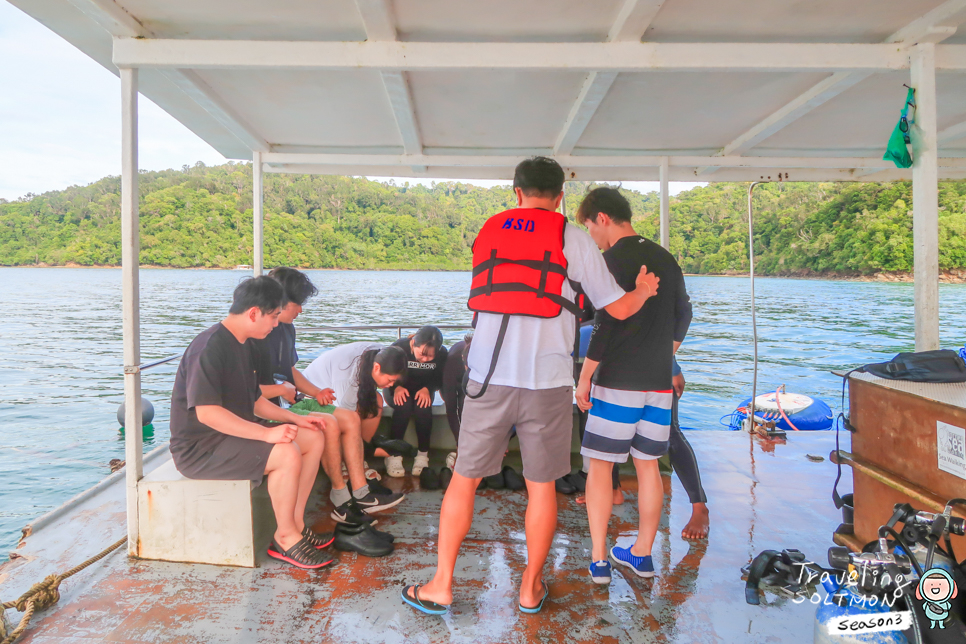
762,495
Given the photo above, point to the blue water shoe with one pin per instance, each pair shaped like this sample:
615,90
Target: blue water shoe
600,571
642,566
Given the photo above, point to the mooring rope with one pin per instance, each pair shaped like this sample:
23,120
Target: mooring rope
43,595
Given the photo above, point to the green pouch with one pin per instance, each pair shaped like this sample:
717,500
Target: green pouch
898,148
308,405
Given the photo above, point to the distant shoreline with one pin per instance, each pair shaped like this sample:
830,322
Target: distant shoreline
946,277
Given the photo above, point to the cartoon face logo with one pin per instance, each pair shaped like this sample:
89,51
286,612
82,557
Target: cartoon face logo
935,590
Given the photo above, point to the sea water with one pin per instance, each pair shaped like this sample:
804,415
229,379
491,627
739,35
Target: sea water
61,356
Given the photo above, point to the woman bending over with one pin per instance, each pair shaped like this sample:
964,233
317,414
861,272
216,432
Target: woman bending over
412,396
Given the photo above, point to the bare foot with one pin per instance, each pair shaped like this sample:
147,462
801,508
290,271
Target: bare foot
618,498
431,593
698,526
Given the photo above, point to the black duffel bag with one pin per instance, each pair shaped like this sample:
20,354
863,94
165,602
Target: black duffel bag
941,365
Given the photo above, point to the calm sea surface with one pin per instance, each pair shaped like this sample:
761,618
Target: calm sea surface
61,359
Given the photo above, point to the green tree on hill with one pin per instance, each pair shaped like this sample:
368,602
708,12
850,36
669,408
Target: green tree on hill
201,216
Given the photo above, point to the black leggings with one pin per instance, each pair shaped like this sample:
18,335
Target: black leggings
683,460
409,409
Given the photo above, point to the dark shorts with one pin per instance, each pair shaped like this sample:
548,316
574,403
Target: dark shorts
232,459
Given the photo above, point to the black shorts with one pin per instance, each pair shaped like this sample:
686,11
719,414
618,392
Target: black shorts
232,459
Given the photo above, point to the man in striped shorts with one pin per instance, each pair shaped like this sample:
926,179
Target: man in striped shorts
625,382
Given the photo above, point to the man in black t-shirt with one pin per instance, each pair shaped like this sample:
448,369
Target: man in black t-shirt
343,442
216,421
630,362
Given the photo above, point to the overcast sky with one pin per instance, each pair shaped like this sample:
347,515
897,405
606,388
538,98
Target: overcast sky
60,118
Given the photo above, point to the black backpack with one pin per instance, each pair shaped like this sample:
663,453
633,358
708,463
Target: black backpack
941,365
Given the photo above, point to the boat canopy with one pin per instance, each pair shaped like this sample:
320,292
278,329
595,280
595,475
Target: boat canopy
673,90
717,90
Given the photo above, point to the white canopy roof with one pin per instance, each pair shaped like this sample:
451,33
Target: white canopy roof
724,89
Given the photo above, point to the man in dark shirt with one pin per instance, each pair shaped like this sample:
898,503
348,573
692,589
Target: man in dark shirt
343,442
216,421
630,362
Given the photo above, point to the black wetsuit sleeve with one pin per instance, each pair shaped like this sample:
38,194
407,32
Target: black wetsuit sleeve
682,309
603,327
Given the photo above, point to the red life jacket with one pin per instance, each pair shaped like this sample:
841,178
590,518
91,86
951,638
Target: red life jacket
519,266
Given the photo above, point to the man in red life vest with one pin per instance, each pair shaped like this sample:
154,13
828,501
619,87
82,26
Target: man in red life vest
529,265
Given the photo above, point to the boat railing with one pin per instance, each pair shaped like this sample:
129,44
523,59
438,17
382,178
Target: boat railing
323,329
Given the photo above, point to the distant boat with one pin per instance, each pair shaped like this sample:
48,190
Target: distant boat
243,267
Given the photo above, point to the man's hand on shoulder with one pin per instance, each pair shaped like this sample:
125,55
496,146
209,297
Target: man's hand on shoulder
647,281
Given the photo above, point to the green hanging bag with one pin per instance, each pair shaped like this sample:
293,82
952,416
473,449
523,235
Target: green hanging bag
899,149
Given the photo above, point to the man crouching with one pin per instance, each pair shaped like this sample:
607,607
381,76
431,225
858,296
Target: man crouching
217,421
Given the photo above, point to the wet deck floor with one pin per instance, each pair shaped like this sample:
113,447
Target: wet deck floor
761,496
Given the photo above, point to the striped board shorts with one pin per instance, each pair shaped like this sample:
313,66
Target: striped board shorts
627,422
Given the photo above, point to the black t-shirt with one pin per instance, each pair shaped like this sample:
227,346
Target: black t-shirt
422,374
216,369
638,353
276,354
280,346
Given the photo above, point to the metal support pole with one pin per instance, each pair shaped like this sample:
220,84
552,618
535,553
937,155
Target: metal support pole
665,205
257,199
130,297
925,198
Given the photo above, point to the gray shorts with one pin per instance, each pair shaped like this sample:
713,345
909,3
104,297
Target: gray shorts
544,423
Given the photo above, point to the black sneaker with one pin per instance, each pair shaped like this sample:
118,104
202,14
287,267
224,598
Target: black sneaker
350,513
428,479
512,480
445,476
378,488
379,502
362,540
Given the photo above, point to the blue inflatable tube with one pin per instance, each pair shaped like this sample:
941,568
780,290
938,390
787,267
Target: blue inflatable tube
816,417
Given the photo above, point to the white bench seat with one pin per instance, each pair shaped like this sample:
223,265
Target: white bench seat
200,521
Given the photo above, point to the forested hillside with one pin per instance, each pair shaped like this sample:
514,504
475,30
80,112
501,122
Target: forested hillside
201,216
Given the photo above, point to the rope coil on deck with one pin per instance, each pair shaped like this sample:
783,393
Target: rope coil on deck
43,595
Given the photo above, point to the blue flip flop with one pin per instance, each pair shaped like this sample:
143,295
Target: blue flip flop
536,609
423,605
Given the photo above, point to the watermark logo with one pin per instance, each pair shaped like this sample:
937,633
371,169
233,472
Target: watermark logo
859,624
936,589
951,448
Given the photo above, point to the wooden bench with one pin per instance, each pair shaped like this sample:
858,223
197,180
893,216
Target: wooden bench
196,521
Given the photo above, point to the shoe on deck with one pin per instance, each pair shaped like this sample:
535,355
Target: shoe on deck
373,502
564,486
302,555
536,609
512,480
428,479
422,605
642,566
318,540
350,512
362,540
378,488
495,481
451,460
394,467
600,571
445,476
420,463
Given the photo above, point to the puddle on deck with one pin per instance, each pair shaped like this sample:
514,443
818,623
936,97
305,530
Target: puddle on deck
760,496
